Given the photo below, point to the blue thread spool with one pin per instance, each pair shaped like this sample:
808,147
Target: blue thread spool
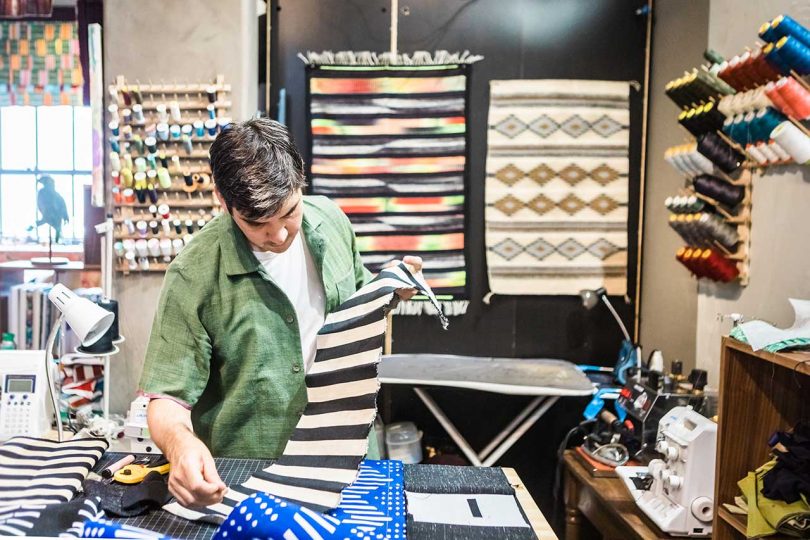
151,144
150,159
211,127
773,58
114,128
163,131
739,129
747,120
765,122
199,129
212,111
175,131
187,146
794,54
767,33
785,25
114,146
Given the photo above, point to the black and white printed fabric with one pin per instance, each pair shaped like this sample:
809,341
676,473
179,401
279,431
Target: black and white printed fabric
42,472
331,438
63,520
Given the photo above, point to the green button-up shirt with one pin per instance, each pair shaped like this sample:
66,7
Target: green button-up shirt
225,339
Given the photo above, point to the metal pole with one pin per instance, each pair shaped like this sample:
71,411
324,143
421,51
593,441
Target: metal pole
518,433
394,25
512,425
454,433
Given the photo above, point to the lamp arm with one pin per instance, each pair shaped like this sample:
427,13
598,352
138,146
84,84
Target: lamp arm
618,319
48,362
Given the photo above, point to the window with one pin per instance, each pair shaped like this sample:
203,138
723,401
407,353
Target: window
54,140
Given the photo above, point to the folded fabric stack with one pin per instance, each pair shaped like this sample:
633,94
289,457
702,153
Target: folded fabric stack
82,383
776,496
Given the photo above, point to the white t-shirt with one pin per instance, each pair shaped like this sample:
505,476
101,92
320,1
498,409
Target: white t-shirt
295,272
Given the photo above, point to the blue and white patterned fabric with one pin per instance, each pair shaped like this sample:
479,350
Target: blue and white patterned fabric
100,528
371,508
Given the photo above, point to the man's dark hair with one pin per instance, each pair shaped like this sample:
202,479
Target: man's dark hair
256,167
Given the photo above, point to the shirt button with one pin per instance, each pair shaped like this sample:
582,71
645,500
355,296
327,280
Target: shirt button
296,368
289,318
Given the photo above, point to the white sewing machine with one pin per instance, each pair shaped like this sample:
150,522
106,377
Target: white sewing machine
680,498
24,406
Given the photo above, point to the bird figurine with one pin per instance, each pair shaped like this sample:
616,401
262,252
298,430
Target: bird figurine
51,206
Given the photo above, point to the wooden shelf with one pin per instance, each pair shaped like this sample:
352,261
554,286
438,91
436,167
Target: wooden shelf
760,392
72,266
735,520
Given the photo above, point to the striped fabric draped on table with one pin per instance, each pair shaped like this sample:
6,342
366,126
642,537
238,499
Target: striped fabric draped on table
389,144
331,438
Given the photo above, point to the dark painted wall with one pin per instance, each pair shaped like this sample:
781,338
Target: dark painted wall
579,39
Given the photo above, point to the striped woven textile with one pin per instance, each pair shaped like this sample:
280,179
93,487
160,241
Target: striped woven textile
389,145
65,520
331,438
41,472
556,187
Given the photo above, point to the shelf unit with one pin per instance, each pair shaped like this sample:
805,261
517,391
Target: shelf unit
200,203
760,393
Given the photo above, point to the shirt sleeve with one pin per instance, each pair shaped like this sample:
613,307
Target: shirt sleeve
178,356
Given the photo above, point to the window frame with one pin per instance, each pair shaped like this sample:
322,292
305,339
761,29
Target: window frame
36,172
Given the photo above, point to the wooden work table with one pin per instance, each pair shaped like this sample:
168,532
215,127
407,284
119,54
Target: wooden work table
606,504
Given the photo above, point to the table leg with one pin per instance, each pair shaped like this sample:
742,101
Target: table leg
451,429
518,433
573,517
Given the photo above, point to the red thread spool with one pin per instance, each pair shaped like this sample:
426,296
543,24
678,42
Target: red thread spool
719,267
728,74
778,99
796,96
762,68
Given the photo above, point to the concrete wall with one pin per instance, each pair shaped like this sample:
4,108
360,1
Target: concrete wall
183,41
668,293
780,260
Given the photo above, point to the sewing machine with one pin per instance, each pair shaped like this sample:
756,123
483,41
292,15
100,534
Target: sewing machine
677,492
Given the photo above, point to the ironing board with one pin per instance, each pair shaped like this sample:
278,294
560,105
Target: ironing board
546,380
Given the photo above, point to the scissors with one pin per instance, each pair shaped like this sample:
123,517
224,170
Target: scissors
136,472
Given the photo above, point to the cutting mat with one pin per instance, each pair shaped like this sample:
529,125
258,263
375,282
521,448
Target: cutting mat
232,471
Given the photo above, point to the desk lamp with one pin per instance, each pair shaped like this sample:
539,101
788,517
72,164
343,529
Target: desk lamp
88,320
629,356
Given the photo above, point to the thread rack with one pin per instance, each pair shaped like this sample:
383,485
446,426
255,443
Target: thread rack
158,138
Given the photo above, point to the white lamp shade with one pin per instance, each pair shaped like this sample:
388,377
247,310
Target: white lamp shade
87,319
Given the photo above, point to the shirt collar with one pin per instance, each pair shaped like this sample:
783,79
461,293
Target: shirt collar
237,256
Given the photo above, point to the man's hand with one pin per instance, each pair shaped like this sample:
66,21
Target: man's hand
193,478
415,266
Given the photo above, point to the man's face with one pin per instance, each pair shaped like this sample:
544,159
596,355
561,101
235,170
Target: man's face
277,232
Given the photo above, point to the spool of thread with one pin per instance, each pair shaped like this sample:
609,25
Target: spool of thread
162,115
113,125
112,108
153,245
137,114
142,227
199,128
140,164
115,162
186,129
151,161
140,180
177,245
166,226
153,210
764,122
188,147
187,239
128,196
154,227
151,175
112,306
757,154
116,194
769,154
784,157
189,226
773,58
114,146
178,226
140,194
719,190
129,244
211,92
201,223
137,142
720,152
152,192
126,115
204,181
151,144
174,131
164,177
793,54
165,246
793,141
130,260
118,247
174,107
141,248
175,162
783,26
212,111
126,97
126,132
162,131
223,123
137,97
211,127
164,161
143,264
127,161
793,97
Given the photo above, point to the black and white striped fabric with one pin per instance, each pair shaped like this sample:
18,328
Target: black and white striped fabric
324,452
64,520
42,472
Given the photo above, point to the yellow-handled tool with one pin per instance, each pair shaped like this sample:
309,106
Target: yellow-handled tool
135,473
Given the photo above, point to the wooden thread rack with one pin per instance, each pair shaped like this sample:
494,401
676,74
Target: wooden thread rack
200,203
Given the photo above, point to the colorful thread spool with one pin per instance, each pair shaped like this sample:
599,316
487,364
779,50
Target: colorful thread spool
151,161
166,226
116,194
154,227
683,204
757,154
115,161
720,152
783,26
188,147
129,256
211,92
162,115
769,154
177,246
140,164
164,211
784,157
126,115
174,131
791,97
142,227
137,114
211,127
153,210
178,226
793,54
151,191
114,146
151,144
137,97
223,123
212,112
175,163
719,190
189,226
199,128
126,177
137,143
794,142
164,178
162,131
126,132
113,125
151,176
164,161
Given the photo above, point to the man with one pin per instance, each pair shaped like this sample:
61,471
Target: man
239,311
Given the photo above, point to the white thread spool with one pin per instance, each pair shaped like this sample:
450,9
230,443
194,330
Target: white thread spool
794,142
153,245
130,258
779,151
757,154
725,105
144,263
141,248
174,107
166,249
129,245
115,161
187,239
767,152
137,113
178,245
161,113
